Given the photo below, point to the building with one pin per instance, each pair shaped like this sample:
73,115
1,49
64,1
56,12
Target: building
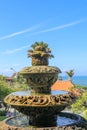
65,85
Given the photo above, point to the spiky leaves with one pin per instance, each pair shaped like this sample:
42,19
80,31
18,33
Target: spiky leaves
70,73
40,53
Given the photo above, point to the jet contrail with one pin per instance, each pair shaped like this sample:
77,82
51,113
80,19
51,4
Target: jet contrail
60,27
15,50
46,30
20,32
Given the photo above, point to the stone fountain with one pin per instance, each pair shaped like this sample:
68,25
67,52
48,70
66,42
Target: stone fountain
40,107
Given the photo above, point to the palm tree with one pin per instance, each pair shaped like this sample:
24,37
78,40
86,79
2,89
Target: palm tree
40,53
70,74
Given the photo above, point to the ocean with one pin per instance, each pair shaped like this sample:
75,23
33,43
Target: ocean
78,80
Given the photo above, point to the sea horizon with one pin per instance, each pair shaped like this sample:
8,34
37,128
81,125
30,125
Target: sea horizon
78,80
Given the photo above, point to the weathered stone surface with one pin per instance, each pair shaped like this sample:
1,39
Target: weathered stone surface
40,78
41,109
38,100
79,125
40,69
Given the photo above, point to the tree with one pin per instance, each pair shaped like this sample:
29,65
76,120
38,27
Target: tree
4,90
40,53
70,74
1,77
20,79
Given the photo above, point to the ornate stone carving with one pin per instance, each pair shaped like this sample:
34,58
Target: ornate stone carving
41,107
39,100
41,78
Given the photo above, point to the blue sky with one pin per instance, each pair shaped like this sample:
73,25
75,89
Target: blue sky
62,24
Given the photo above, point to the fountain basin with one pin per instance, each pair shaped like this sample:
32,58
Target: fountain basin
42,103
65,121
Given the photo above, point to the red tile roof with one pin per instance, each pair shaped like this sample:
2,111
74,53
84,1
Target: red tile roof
65,85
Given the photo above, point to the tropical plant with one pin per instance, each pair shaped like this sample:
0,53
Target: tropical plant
80,106
39,44
70,74
40,53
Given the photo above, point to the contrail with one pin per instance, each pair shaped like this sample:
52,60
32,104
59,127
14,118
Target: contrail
59,27
16,50
46,30
20,32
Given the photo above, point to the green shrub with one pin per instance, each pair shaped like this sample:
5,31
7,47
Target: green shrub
2,112
2,118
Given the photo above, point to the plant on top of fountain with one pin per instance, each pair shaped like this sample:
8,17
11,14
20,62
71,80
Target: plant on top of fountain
40,53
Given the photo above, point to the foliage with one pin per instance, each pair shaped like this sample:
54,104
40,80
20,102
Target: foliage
40,49
1,77
40,53
85,114
2,118
80,106
20,79
2,112
70,73
81,87
4,89
45,45
7,88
